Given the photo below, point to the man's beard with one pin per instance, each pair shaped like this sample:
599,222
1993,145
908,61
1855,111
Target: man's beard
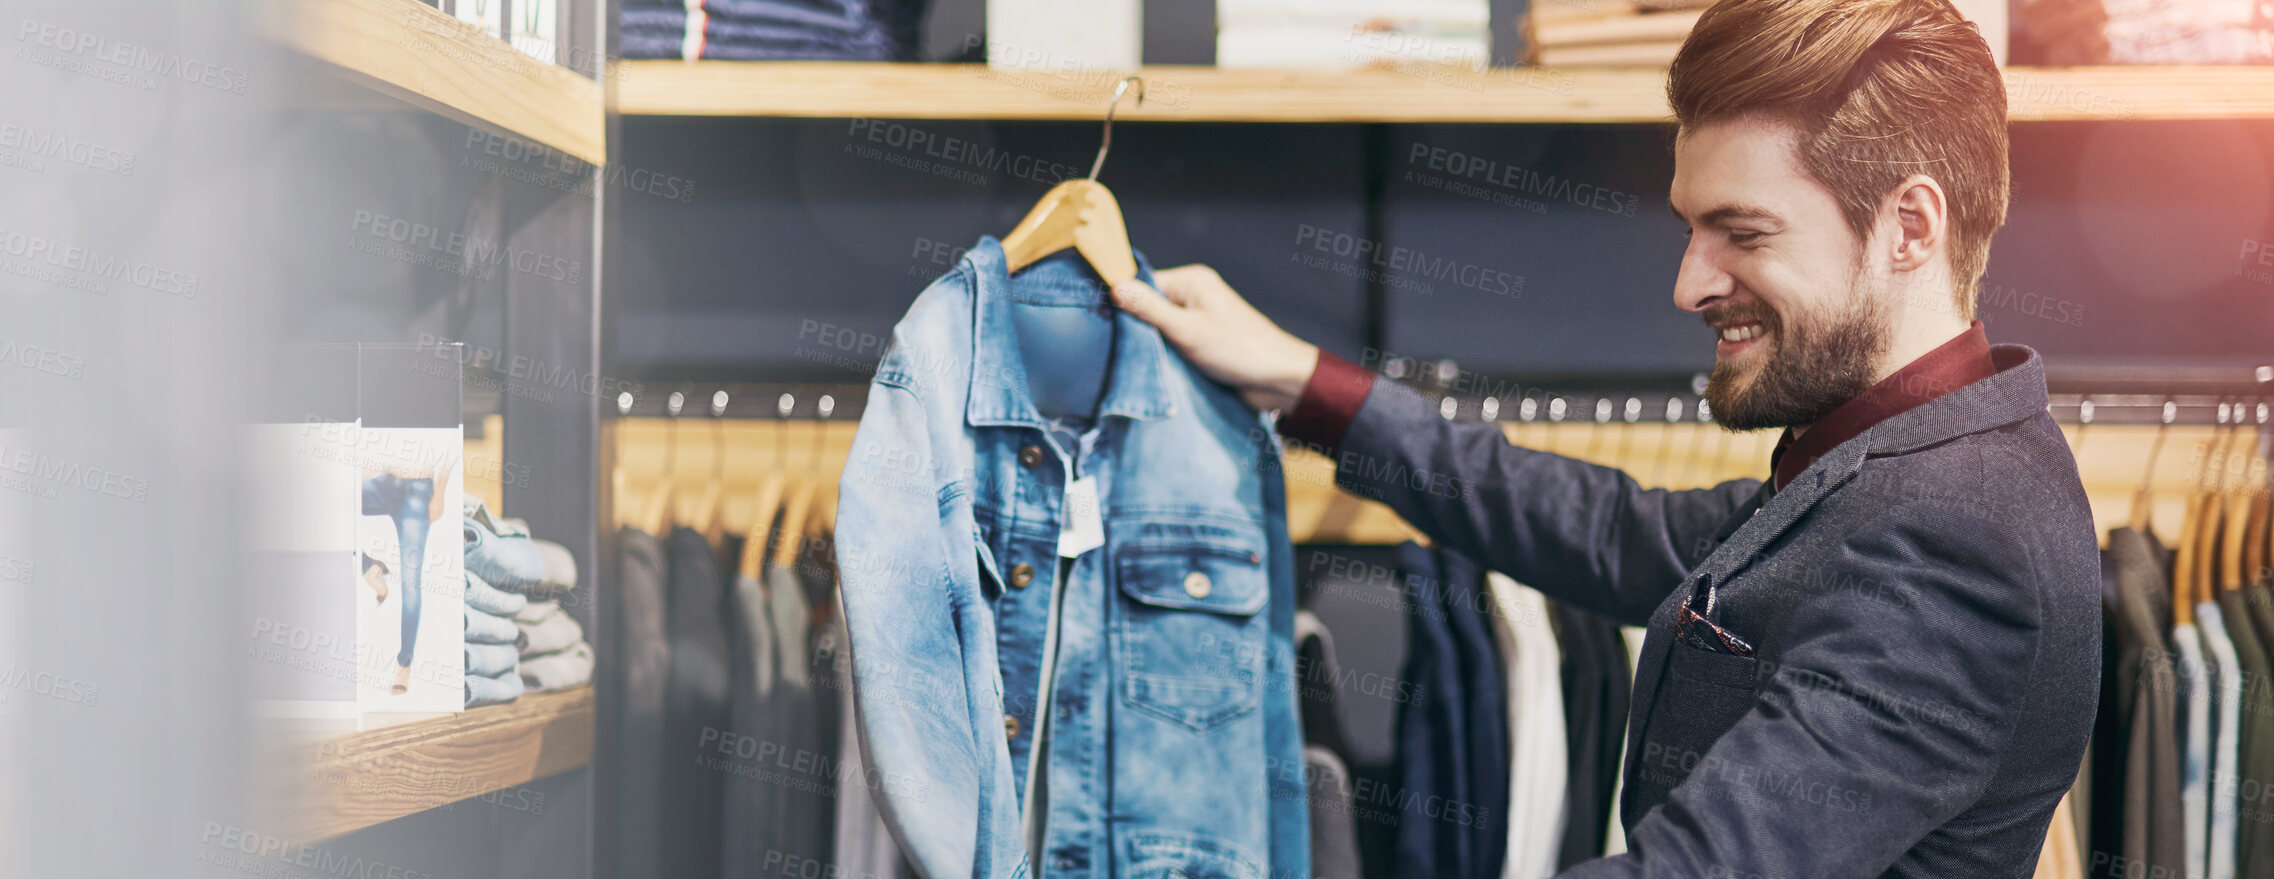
1815,366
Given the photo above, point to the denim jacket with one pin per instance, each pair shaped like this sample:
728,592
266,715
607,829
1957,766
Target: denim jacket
1173,745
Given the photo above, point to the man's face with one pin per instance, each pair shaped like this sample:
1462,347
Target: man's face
1775,272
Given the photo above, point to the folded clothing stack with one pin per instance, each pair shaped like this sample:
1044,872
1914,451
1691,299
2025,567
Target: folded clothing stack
489,630
1335,34
773,30
554,655
514,583
1611,33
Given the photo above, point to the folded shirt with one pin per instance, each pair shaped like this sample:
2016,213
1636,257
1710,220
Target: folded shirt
554,633
559,670
491,660
492,690
482,596
483,628
560,566
537,612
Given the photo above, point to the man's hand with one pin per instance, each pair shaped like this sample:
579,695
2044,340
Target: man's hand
1223,335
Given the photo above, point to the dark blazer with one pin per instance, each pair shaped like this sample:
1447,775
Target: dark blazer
1923,603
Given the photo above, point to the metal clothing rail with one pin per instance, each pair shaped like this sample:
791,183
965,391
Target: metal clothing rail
2195,396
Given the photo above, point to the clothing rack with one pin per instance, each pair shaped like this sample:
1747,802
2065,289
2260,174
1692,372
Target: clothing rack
2080,395
737,431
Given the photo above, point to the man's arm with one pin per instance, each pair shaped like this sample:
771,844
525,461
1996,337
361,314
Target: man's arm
1582,533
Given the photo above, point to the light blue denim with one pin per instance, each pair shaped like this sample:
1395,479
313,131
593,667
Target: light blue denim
405,501
493,690
1173,742
483,628
482,596
499,550
491,660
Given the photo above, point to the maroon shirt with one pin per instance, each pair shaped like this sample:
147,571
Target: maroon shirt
1338,387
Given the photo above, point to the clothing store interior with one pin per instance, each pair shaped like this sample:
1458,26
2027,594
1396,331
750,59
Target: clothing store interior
753,475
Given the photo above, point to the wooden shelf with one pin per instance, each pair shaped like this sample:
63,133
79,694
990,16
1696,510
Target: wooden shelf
415,52
1405,94
352,782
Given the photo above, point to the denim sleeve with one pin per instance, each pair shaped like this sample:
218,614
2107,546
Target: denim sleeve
1584,534
905,607
1883,719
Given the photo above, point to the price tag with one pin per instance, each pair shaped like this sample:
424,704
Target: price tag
1084,529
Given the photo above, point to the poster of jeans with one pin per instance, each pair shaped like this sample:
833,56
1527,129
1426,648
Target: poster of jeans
410,572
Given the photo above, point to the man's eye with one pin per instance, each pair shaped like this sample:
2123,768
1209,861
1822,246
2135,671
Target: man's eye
1743,239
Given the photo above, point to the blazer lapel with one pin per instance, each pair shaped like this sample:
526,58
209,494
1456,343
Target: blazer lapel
1770,518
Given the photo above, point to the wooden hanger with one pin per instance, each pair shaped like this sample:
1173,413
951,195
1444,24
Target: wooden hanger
1080,214
657,517
2187,557
808,484
768,500
2143,502
706,519
2258,549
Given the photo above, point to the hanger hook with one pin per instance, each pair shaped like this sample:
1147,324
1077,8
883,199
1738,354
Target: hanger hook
1106,144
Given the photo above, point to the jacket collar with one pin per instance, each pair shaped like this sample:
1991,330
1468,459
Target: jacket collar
1136,387
2015,392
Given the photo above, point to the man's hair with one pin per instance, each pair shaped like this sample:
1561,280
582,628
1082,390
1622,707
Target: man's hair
1878,90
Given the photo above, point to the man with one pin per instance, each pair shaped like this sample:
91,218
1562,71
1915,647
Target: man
1884,660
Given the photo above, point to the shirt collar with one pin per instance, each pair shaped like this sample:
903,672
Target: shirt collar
1952,365
1136,388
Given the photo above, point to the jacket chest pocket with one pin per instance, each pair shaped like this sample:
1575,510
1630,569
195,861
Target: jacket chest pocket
1191,642
1703,695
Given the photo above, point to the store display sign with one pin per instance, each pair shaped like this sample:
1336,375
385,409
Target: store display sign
356,562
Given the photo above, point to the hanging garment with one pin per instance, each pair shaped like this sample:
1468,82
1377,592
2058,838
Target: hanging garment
1174,714
2225,777
1595,682
696,709
863,845
1326,777
1485,717
1434,764
1541,764
823,729
2149,707
1631,638
749,825
2195,758
2254,833
642,675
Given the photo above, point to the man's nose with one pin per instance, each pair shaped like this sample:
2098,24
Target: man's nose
1700,281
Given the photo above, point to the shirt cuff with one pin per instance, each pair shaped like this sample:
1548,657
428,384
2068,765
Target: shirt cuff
1329,403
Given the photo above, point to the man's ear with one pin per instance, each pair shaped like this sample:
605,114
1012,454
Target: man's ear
1922,223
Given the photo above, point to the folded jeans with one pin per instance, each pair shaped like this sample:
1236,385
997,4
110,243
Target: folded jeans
559,671
484,628
491,660
482,596
493,690
556,633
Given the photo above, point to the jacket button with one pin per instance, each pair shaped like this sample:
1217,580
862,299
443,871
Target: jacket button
1030,455
1010,727
1196,585
1022,574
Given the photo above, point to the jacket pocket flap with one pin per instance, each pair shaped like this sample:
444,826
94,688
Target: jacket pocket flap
1215,576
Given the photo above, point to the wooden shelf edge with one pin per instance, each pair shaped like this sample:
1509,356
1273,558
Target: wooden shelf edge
355,781
419,54
1413,93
